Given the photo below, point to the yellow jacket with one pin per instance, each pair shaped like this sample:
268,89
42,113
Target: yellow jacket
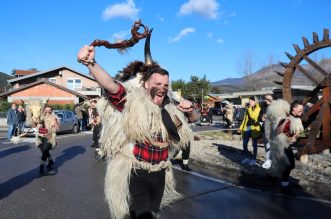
252,115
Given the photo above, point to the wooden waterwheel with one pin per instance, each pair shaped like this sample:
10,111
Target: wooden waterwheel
318,117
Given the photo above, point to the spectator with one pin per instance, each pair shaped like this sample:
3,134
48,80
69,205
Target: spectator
268,99
95,122
250,128
79,115
210,113
85,117
21,118
12,120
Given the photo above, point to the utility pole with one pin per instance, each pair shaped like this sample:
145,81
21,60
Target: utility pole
201,96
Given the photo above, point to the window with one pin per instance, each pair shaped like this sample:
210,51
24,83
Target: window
53,80
60,115
69,114
74,83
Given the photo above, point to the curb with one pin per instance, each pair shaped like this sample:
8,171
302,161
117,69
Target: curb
255,179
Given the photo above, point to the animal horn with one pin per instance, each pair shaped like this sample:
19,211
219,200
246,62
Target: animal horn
148,56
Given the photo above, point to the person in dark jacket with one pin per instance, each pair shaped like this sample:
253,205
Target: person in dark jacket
21,118
79,115
12,120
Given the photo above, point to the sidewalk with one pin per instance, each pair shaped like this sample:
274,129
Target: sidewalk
220,154
3,132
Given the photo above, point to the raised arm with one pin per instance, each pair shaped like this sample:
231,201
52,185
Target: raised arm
86,56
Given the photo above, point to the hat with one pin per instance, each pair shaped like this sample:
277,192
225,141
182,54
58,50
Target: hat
252,98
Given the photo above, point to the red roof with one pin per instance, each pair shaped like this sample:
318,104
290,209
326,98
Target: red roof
24,72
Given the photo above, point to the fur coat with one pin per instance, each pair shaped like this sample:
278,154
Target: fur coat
138,121
277,112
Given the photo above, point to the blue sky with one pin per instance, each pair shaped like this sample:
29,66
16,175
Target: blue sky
190,37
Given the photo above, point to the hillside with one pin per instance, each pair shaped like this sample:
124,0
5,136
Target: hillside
265,77
3,81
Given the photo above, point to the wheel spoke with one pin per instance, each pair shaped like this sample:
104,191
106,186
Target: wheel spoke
315,65
309,76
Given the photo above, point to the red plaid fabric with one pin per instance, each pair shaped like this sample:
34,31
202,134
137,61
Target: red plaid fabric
118,99
142,151
149,153
42,131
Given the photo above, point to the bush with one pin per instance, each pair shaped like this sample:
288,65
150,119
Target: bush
4,105
63,106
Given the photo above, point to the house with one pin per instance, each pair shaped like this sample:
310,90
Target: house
21,73
63,76
45,90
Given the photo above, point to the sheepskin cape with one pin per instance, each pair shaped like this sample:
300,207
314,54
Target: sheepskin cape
276,113
140,120
51,136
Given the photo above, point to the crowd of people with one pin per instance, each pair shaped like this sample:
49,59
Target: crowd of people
138,127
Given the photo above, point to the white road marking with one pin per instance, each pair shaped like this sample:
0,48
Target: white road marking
32,140
250,189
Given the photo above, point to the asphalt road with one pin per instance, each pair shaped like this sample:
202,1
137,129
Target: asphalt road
75,189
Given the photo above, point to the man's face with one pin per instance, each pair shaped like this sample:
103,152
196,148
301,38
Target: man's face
157,86
297,111
48,111
13,106
268,100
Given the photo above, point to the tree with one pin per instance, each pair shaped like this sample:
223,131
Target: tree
193,88
246,67
178,84
196,86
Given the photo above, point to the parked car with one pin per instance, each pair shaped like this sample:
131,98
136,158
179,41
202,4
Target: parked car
68,122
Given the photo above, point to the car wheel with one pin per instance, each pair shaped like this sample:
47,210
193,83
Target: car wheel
75,129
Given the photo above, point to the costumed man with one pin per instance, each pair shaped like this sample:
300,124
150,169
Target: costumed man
140,121
282,131
250,128
46,137
228,114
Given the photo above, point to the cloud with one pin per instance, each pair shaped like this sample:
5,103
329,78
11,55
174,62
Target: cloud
126,9
205,8
220,40
210,35
184,32
121,35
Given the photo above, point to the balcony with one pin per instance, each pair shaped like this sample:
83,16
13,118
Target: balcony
89,91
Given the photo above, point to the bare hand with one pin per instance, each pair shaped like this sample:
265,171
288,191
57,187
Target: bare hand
185,106
86,55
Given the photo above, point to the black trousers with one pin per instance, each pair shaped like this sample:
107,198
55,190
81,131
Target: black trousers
146,190
96,133
286,173
186,152
44,148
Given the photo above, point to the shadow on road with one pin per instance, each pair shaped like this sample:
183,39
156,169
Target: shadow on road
20,181
255,176
14,150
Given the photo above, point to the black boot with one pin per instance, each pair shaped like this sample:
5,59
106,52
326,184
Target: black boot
41,169
185,167
50,164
